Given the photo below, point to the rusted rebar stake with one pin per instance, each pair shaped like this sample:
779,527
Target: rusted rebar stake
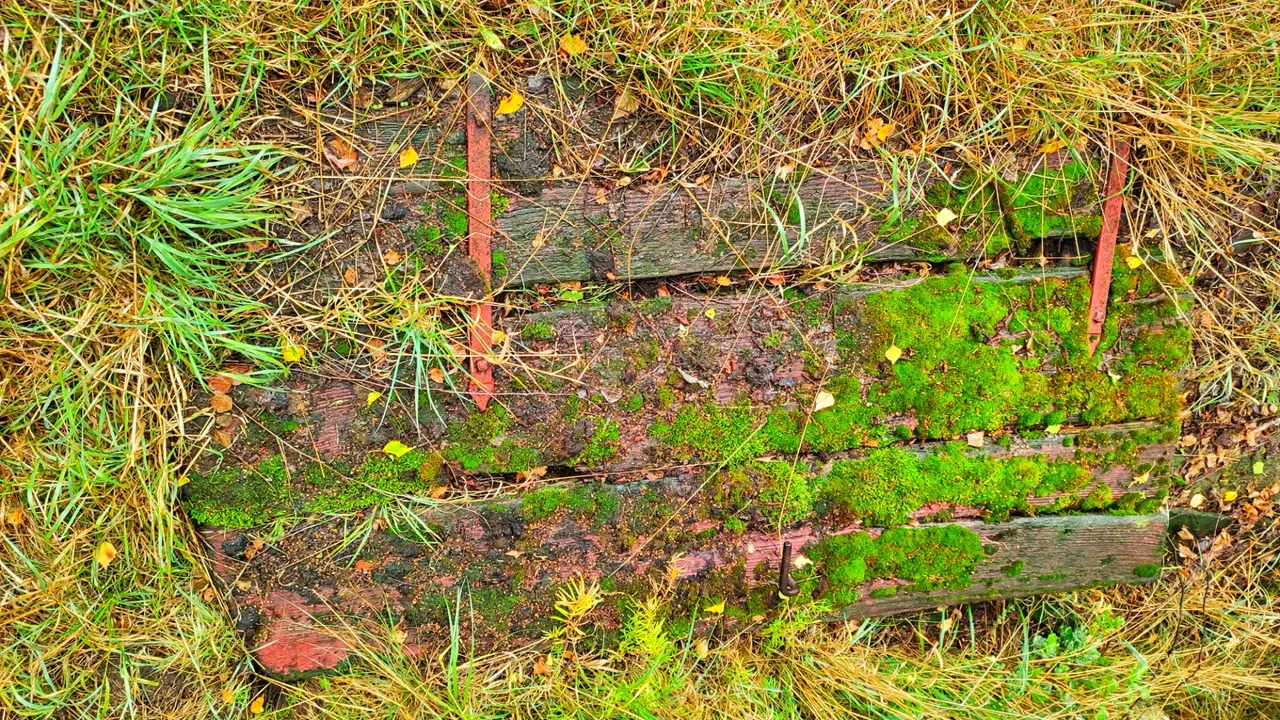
479,234
1104,256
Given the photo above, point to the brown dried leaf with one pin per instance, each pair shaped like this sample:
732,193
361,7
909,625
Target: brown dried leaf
221,403
349,276
340,153
220,384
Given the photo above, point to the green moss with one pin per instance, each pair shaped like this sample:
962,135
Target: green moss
961,370
376,481
1040,203
537,330
883,488
734,525
499,202
487,440
594,501
884,592
1147,571
655,305
427,239
498,262
786,496
715,433
926,558
601,448
237,498
634,403
453,216
1099,498
1013,569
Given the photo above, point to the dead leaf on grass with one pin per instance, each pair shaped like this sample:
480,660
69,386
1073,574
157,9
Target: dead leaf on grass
625,103
340,153
105,554
221,403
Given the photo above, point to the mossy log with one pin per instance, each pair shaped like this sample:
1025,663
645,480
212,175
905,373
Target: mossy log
557,231
499,565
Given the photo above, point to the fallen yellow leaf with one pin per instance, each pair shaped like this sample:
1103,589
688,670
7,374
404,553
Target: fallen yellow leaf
702,648
510,103
1133,261
884,131
710,313
292,352
183,480
497,336
1257,467
408,156
1230,496
976,439
1052,429
395,448
715,609
1052,146
571,44
372,397
258,704
436,375
893,354
1196,500
723,281
944,217
106,553
228,695
823,401
16,517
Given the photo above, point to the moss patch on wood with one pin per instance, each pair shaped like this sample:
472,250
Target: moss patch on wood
924,558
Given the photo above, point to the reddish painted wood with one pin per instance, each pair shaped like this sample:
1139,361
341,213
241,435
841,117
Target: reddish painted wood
1104,256
479,233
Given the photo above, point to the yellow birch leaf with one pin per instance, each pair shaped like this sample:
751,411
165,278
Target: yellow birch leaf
1230,496
723,281
1133,261
571,44
716,609
823,401
1196,501
1257,467
106,553
1053,429
259,703
372,398
893,354
497,336
395,448
183,480
292,352
408,156
510,103
702,648
884,131
944,217
228,695
710,313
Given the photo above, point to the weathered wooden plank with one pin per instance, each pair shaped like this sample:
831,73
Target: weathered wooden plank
558,231
580,232
628,387
298,597
1037,556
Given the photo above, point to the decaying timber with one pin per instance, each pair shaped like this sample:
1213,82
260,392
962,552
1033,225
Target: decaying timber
577,231
505,560
938,436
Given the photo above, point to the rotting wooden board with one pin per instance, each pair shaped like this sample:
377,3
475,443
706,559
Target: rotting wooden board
1057,554
580,231
620,389
298,598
